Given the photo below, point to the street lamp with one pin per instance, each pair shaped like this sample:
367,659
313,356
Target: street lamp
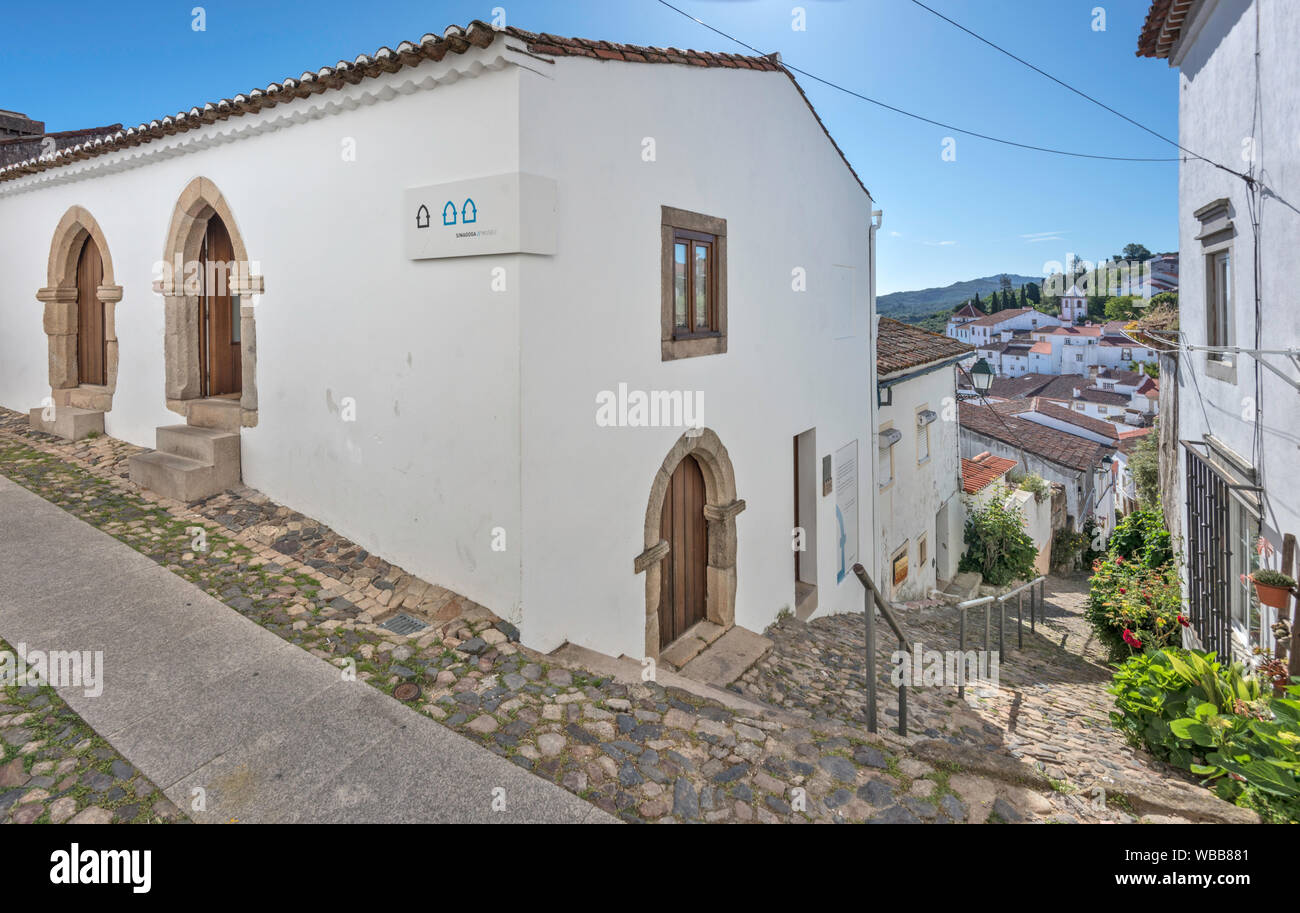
981,375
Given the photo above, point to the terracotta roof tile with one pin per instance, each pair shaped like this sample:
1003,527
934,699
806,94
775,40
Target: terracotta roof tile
981,472
432,47
1163,27
1060,447
1055,410
900,346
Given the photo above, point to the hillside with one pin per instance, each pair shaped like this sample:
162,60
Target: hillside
915,307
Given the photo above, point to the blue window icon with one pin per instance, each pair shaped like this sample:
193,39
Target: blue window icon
469,212
449,213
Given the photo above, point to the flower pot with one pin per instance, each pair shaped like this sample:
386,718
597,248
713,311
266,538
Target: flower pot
1274,597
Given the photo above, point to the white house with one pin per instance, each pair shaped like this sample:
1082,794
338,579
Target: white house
962,316
1237,391
1003,324
1074,306
497,306
918,516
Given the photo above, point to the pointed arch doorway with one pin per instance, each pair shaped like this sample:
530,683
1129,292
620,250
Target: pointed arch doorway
92,342
218,321
689,559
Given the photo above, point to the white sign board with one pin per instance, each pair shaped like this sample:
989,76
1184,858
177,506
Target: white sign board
511,213
846,508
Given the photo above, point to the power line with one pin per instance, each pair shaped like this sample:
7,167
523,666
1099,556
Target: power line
1080,93
906,113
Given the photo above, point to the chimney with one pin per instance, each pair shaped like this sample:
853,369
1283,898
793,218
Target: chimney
13,124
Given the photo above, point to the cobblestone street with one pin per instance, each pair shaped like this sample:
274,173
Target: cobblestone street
642,751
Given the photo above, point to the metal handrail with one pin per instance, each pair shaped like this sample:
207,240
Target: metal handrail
875,600
1035,601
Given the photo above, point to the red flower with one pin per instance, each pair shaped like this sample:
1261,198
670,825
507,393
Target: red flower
1131,640
1122,590
1119,559
1182,620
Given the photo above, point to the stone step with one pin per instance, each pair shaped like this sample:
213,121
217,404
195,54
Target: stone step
207,445
221,414
727,658
181,478
69,422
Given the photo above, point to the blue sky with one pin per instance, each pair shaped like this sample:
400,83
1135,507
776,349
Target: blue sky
993,209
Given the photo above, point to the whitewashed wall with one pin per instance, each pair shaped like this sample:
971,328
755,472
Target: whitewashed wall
429,354
738,145
908,508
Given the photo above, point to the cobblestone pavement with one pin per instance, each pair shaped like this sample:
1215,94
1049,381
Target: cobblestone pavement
640,751
1051,708
54,768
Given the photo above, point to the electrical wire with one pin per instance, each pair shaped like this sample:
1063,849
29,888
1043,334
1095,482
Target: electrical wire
914,116
1084,95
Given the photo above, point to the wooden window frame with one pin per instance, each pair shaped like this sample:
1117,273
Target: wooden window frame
680,224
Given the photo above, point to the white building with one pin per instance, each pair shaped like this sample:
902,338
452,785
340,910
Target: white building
1074,306
918,515
458,298
1236,389
1002,325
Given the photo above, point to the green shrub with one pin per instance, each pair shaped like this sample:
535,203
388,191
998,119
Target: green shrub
1141,536
1132,606
1216,723
997,545
1270,577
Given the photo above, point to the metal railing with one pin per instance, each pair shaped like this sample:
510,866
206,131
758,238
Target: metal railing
1035,590
873,601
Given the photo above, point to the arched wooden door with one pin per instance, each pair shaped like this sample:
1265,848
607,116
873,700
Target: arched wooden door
92,346
220,372
682,580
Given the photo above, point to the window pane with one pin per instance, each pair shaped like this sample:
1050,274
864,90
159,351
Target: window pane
701,286
679,285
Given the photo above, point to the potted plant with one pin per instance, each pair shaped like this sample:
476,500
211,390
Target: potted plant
1273,669
1272,587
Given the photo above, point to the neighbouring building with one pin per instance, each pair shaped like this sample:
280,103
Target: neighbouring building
962,316
1083,467
497,306
1000,325
918,515
1237,390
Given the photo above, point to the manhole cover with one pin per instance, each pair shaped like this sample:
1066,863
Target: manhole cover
407,691
403,624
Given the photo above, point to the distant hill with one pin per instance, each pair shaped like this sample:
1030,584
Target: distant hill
921,307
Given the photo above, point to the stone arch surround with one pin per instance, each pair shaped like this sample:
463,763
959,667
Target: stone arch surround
198,202
60,299
720,510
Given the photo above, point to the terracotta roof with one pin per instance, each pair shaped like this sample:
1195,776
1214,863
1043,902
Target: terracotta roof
1053,409
1077,331
900,346
1060,447
1015,387
1105,397
1163,27
1061,387
1149,386
477,34
981,472
991,320
1127,378
15,149
968,310
1041,348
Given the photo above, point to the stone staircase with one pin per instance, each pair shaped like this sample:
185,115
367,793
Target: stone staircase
69,422
190,462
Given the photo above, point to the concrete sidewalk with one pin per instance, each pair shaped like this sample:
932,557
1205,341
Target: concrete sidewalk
197,696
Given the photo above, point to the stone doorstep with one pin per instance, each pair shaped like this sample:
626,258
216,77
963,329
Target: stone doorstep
685,648
727,659
70,422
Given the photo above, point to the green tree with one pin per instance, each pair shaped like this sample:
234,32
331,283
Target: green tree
1119,308
1033,293
1144,463
997,545
1136,252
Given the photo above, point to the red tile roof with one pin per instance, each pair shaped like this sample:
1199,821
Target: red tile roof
1052,409
1163,27
900,346
477,34
981,472
1060,447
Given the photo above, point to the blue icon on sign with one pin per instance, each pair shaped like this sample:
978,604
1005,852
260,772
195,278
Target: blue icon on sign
449,213
469,212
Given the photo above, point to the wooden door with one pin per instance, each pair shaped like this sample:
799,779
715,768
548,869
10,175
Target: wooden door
92,358
682,578
220,371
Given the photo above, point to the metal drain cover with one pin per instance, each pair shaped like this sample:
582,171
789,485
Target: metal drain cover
403,624
407,691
